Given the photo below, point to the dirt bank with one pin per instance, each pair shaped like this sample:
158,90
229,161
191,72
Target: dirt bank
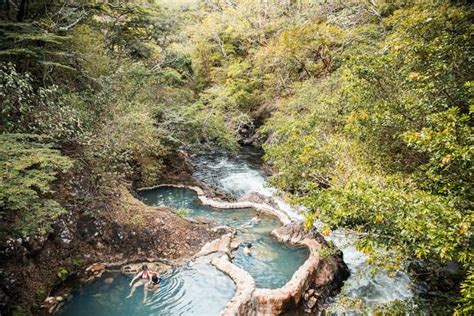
128,230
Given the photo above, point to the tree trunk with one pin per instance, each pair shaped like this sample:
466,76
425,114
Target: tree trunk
22,10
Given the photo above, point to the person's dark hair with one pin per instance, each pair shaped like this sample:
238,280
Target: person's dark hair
144,267
154,278
249,245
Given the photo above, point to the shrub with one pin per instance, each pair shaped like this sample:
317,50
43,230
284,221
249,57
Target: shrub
29,167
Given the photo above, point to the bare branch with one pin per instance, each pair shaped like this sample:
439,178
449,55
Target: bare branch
67,27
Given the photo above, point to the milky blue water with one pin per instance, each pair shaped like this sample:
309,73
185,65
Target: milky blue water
194,289
241,173
270,262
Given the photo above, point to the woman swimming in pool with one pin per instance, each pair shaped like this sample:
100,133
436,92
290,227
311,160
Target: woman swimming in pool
144,277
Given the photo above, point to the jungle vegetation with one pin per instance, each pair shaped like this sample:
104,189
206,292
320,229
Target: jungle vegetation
364,110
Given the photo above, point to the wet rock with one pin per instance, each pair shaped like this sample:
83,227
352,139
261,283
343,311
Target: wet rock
255,197
219,245
311,302
96,268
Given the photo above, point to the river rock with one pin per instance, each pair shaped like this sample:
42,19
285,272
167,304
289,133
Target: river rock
96,268
255,197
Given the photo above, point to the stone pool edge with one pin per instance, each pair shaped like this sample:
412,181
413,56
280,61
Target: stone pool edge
284,219
249,300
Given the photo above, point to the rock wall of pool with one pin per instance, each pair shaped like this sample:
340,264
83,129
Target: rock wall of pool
283,271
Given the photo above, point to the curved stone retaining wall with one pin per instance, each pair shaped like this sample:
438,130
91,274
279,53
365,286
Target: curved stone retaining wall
276,301
249,300
241,303
284,219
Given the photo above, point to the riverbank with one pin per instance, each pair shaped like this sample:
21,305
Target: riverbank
130,231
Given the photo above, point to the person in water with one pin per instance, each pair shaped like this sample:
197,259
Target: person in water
143,278
247,249
152,286
255,220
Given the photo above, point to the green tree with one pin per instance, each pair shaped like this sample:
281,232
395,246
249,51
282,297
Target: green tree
29,168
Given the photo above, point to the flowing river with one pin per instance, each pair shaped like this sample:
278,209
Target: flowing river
197,288
243,173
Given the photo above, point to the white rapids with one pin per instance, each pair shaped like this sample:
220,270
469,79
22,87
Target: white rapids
242,173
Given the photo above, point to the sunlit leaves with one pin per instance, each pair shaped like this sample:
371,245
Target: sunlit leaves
28,167
395,131
449,143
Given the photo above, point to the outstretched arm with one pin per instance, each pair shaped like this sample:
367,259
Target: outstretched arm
135,278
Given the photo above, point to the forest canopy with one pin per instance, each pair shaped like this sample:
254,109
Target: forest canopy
364,110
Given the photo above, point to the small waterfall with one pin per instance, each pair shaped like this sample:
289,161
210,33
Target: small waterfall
239,175
363,284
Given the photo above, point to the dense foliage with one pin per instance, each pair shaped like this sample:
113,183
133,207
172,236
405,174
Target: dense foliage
28,167
105,88
372,129
364,108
